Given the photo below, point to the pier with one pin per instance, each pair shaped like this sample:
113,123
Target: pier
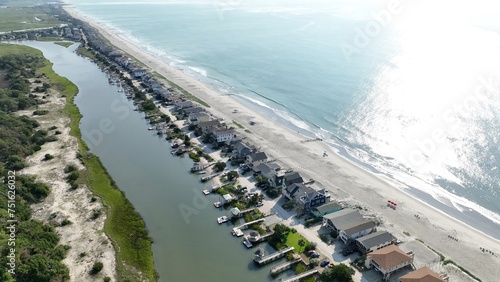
299,276
208,177
272,257
249,223
198,167
284,266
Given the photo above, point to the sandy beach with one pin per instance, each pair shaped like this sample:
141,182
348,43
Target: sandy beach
346,181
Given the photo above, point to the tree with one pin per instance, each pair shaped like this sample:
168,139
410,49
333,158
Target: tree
340,273
301,243
232,175
220,166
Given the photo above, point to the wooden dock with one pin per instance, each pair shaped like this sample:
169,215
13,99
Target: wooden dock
272,257
199,167
244,225
208,177
299,276
284,266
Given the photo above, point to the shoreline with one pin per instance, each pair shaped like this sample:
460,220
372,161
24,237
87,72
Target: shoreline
364,186
471,214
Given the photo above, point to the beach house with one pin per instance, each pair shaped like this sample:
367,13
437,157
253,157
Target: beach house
224,135
196,118
138,72
205,126
388,260
423,274
374,241
193,110
349,224
327,208
291,178
241,149
306,197
255,159
183,105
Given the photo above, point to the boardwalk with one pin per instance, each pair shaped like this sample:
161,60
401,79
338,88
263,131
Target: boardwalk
299,276
273,256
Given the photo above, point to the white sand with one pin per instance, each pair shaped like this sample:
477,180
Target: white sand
83,235
345,180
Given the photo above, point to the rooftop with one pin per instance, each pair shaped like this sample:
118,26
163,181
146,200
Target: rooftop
328,207
423,274
375,239
389,257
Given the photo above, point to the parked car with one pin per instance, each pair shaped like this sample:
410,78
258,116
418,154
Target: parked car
314,255
324,263
259,204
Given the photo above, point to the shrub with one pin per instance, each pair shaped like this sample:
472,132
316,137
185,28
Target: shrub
69,168
96,214
52,127
73,176
107,279
66,222
40,112
96,268
48,157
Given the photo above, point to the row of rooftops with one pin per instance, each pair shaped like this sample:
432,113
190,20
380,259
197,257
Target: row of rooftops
350,221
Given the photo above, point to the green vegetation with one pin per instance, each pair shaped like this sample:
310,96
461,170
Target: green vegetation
48,157
40,112
64,43
339,272
238,125
96,268
37,254
124,225
219,166
49,38
25,15
85,52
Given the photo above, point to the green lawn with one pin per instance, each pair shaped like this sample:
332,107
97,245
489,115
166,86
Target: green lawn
292,240
65,43
6,49
23,15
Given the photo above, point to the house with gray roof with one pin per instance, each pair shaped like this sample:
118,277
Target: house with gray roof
242,149
256,159
196,118
349,223
327,208
374,241
291,178
266,169
193,110
206,126
183,105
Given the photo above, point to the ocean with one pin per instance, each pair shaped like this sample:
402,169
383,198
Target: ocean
408,89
